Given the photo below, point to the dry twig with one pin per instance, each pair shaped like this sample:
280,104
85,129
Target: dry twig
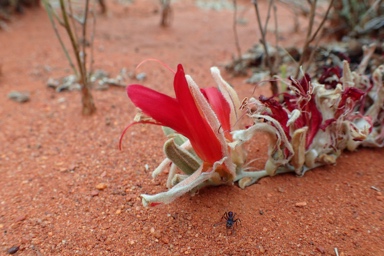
310,37
166,13
263,31
235,29
78,47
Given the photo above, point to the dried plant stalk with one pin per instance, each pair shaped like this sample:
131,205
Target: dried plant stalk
311,37
166,13
78,46
263,31
237,43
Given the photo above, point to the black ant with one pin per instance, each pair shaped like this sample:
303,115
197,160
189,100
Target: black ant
230,218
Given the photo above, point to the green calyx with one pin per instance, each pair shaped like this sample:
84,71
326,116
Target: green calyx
181,157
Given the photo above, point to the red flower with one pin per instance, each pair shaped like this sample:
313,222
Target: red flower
300,98
184,115
304,100
277,112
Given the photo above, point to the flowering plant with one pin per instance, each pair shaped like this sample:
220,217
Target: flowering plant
313,124
198,125
316,122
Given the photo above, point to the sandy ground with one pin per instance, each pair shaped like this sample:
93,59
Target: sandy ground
53,160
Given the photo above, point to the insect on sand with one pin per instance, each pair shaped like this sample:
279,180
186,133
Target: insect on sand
230,221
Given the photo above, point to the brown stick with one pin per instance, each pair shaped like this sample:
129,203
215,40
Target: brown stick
91,61
311,37
87,99
103,6
235,29
166,13
276,33
67,27
274,87
51,15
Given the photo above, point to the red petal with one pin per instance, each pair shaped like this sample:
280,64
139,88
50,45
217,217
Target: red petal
219,105
278,112
160,107
314,120
350,93
327,79
303,100
182,114
303,85
202,137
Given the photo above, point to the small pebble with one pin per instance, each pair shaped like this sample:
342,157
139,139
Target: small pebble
157,234
165,240
141,76
21,218
320,249
301,204
380,198
53,83
101,186
20,97
13,250
94,193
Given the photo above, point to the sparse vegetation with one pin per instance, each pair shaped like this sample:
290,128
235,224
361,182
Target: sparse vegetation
76,25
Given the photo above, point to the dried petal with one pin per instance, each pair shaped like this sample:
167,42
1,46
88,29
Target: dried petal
298,145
